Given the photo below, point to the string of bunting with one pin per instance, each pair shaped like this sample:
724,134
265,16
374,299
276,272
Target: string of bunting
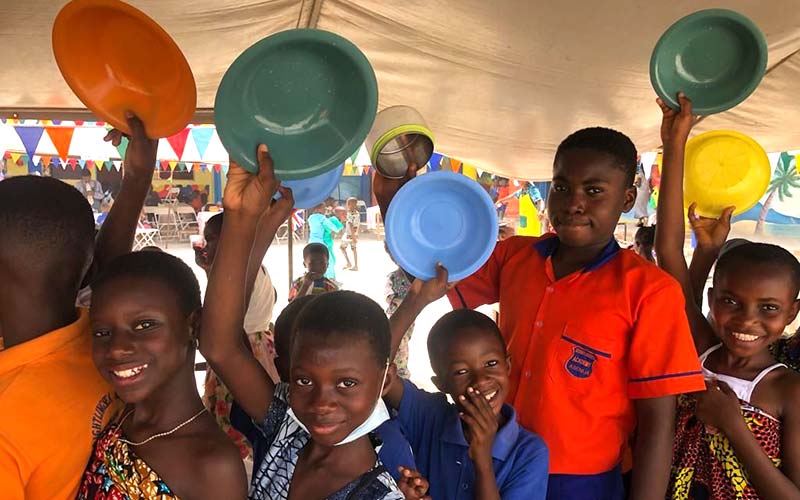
42,161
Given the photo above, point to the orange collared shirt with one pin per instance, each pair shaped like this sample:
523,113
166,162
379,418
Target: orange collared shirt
53,403
584,346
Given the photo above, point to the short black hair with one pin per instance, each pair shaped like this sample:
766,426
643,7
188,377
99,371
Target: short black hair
748,254
163,267
314,248
608,141
215,223
45,224
646,235
450,327
284,325
346,315
86,172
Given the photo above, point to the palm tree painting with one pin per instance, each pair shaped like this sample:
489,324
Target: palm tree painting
784,178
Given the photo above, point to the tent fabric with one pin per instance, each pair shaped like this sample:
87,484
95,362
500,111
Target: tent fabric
500,83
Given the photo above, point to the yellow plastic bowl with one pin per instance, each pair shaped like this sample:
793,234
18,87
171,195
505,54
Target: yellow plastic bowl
724,168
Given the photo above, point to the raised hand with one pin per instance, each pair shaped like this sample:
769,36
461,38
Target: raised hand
413,485
710,232
676,124
433,289
481,424
140,157
251,193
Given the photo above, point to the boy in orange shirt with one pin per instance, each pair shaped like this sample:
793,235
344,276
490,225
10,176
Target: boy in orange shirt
53,399
598,337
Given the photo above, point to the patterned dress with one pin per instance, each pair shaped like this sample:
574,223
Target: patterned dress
397,286
115,472
285,438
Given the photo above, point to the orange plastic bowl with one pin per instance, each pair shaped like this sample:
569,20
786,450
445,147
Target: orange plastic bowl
117,59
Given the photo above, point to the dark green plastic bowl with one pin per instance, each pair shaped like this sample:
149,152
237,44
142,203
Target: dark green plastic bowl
717,57
310,95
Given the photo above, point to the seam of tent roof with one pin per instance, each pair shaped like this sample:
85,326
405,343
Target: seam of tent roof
308,17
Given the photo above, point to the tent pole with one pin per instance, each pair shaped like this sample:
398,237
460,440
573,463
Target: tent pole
290,239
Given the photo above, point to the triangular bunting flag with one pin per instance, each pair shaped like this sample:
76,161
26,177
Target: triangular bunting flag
89,164
82,163
189,167
30,138
46,122
123,146
202,138
56,122
37,160
172,164
3,121
469,171
217,167
117,164
78,123
203,167
435,162
6,155
354,156
62,138
178,142
99,164
366,170
46,160
72,162
455,165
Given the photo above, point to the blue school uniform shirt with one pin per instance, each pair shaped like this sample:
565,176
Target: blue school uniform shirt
434,430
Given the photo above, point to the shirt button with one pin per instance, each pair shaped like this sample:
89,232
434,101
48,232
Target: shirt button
465,486
528,374
539,324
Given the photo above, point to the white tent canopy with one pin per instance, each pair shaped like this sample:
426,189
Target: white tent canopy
501,83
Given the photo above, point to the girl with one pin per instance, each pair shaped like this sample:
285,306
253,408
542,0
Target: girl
316,429
740,439
350,236
144,317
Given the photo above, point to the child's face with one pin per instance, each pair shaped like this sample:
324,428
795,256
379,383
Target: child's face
475,359
204,256
351,205
316,263
334,385
587,197
141,338
751,309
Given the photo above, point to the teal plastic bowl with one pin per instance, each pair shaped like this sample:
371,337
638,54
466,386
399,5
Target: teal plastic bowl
310,95
717,57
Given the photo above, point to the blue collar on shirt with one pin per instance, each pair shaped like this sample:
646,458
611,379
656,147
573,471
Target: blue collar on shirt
504,440
547,246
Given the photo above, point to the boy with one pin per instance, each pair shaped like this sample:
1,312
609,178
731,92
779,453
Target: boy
598,337
352,221
474,449
54,401
314,282
91,189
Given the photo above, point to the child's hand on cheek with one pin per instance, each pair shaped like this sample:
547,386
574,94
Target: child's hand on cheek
718,406
676,124
413,485
481,425
247,193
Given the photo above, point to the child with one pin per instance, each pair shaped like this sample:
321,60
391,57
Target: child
476,444
91,189
314,282
398,284
350,236
738,438
598,339
54,402
144,316
216,397
321,228
320,445
643,243
395,453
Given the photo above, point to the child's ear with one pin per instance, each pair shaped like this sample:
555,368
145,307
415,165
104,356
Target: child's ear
391,379
710,297
508,365
438,383
194,323
793,313
630,199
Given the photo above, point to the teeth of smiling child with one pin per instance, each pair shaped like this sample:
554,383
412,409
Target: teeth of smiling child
490,395
130,372
744,337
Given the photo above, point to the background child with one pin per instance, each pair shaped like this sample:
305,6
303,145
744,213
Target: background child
597,336
216,397
321,228
643,242
49,387
395,453
477,440
144,316
350,235
739,437
314,282
398,284
320,447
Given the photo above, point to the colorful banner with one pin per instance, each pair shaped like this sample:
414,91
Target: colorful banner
30,137
178,142
62,138
202,138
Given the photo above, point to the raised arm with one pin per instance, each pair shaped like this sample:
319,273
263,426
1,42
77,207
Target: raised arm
711,235
247,198
118,230
670,230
